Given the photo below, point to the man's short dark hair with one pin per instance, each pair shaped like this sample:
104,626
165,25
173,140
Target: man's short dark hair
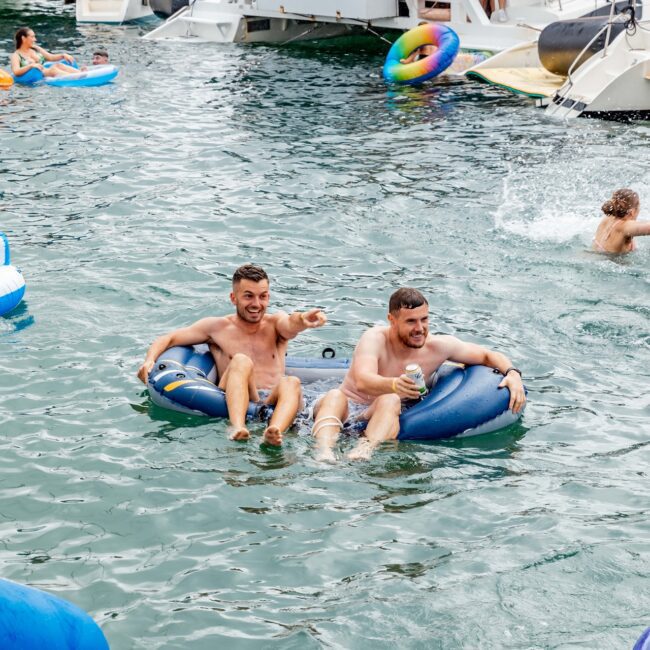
249,272
406,298
100,53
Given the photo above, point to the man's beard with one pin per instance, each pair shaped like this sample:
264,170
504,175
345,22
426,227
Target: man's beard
407,342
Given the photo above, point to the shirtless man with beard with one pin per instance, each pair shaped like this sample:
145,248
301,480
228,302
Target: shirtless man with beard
248,347
375,384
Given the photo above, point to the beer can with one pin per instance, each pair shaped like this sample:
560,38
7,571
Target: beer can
414,371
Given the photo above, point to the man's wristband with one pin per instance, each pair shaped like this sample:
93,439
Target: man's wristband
505,374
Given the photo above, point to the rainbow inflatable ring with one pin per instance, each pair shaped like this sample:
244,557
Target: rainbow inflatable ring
444,38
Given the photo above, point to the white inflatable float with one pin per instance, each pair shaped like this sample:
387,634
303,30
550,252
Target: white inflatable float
12,283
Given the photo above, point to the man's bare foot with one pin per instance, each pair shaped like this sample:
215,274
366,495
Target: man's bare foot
362,451
325,454
273,436
240,434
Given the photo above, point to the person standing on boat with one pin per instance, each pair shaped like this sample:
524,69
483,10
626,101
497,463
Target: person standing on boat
249,348
375,385
29,56
619,226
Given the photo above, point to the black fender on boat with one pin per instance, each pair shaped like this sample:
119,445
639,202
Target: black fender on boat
561,43
166,8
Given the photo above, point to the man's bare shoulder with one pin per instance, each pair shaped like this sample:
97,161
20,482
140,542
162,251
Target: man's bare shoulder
374,338
441,341
272,321
212,324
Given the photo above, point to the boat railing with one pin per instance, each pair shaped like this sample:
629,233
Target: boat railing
607,27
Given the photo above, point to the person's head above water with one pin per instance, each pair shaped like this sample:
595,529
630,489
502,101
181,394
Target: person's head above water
408,315
22,34
250,272
622,203
100,57
406,298
250,292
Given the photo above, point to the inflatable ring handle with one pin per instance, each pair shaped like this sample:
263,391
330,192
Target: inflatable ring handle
328,353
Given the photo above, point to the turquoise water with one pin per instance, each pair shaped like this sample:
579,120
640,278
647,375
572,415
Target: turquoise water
129,206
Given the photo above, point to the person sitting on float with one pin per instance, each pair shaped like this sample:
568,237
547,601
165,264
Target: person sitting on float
100,57
619,226
29,56
375,384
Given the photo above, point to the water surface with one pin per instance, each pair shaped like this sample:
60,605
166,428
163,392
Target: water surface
128,208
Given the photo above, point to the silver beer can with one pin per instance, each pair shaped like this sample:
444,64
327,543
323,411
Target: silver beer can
414,371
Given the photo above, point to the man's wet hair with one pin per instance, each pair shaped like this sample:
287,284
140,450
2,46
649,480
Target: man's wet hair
100,53
249,272
406,298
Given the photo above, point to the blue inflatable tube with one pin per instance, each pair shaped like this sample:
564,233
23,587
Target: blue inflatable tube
643,642
463,401
12,283
96,75
31,619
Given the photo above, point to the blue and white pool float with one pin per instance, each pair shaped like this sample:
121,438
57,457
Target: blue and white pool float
464,400
96,75
12,283
31,619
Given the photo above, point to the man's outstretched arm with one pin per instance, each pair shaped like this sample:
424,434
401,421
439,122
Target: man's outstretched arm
289,326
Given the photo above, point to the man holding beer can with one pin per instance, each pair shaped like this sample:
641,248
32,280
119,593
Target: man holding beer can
382,376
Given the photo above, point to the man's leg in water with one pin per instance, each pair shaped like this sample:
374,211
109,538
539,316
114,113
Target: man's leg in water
287,398
383,424
329,415
238,382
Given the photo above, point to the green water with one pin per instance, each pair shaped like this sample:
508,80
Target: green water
128,208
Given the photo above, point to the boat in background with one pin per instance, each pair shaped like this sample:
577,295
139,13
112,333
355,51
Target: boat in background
115,12
596,66
283,21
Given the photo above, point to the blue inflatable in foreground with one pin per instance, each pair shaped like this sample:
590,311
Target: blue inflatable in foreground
96,75
644,641
31,619
12,283
464,401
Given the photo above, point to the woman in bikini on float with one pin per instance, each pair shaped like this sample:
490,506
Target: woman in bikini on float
28,56
619,226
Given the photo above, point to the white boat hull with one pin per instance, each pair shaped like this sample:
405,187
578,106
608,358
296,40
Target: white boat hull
114,12
277,21
615,83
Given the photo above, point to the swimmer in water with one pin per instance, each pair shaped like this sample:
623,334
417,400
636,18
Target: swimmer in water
619,226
